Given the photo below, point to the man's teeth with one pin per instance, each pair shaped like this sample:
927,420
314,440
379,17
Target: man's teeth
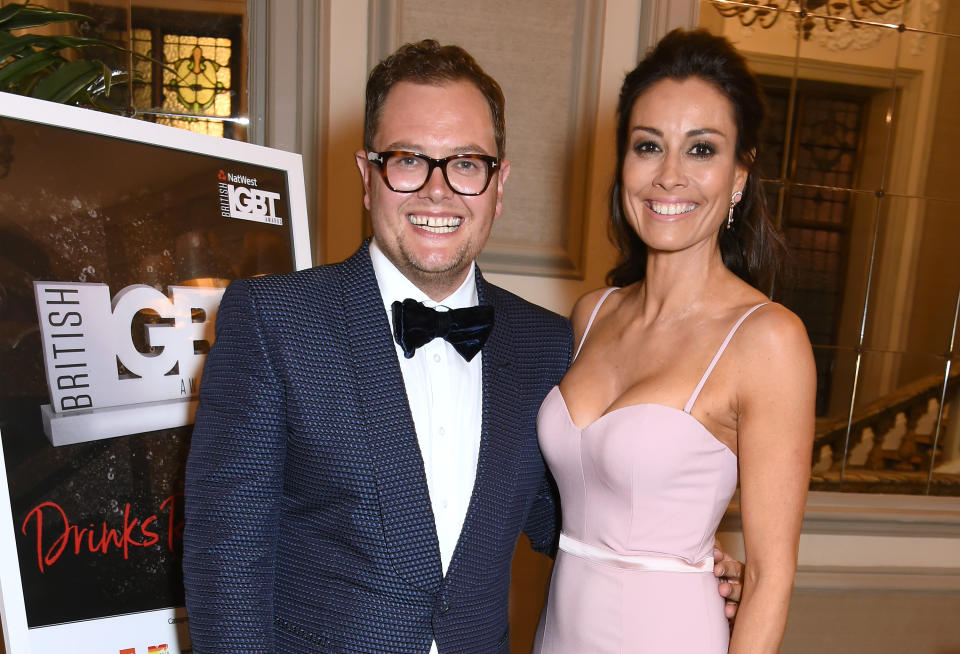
436,224
673,208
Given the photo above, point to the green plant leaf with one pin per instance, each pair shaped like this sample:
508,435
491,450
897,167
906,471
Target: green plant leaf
11,45
17,16
33,64
116,78
107,74
15,72
68,80
9,12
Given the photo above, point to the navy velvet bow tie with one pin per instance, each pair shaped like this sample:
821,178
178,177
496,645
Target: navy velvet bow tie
466,329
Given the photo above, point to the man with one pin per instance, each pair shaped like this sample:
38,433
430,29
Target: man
354,486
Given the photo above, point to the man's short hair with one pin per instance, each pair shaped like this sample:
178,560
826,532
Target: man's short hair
428,62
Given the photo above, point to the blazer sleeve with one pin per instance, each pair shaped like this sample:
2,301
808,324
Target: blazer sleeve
543,522
542,525
233,486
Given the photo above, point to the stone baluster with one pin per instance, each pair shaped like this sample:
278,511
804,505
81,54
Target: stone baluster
910,458
884,422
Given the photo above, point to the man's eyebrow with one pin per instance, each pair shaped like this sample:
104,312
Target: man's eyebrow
469,148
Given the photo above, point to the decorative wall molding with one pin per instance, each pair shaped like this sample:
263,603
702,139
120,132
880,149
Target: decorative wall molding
871,514
383,29
831,71
547,58
877,579
256,24
848,538
660,16
285,40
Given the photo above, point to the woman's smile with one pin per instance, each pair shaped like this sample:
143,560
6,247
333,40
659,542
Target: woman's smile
667,209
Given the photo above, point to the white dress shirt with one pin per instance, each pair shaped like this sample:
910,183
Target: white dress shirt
445,396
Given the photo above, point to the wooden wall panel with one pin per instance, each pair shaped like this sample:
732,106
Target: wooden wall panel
546,56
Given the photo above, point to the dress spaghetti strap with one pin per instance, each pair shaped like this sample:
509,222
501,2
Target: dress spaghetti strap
592,316
716,357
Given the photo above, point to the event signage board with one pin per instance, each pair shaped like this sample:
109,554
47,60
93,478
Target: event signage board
117,240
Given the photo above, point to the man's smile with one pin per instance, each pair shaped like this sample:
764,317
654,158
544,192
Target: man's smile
435,224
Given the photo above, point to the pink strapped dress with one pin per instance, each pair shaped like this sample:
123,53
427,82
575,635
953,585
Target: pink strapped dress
642,489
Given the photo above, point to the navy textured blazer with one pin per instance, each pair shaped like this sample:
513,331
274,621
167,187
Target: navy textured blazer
308,520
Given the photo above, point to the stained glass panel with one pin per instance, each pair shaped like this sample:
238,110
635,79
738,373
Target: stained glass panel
183,64
196,80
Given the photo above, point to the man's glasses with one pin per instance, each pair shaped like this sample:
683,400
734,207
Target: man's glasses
406,172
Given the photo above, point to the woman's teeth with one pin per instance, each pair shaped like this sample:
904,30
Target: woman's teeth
671,208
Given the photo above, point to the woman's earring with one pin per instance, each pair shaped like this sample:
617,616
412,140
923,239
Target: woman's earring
733,202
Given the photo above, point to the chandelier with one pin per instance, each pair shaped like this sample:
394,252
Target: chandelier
832,13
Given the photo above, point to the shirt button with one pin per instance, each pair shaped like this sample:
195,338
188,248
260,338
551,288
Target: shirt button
441,431
436,357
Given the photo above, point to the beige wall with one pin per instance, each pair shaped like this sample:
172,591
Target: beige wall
837,622
937,275
876,575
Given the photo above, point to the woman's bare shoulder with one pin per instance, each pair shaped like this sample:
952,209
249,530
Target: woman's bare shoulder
775,351
582,310
774,326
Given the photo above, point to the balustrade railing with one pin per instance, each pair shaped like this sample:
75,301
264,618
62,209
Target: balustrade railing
904,465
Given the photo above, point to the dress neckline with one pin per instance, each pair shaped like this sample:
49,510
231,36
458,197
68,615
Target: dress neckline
688,407
638,405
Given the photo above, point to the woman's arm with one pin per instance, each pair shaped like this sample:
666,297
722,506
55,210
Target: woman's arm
775,426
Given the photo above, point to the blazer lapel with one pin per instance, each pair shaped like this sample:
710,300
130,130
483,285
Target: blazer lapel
500,444
405,509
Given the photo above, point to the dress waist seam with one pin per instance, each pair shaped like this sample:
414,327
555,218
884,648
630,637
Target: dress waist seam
644,562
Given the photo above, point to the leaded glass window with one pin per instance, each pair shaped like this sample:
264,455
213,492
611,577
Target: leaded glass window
815,210
187,72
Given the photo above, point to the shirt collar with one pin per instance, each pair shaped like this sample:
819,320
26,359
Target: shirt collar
395,286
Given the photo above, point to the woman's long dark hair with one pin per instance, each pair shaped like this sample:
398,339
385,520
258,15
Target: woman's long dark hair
751,248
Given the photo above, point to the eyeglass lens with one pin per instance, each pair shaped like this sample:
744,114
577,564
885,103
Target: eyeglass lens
465,174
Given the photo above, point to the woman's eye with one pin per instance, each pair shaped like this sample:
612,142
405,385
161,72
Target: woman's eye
702,150
645,147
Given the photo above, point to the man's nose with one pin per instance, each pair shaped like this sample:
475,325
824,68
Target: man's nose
436,187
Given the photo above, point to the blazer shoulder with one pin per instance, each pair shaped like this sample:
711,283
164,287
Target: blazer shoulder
353,278
523,310
295,279
317,286
538,336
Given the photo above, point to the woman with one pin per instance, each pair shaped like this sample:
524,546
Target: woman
685,372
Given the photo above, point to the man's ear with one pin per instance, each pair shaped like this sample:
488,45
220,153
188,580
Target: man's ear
502,176
364,165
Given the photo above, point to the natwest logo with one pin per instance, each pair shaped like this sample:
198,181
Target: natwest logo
242,179
236,178
240,198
